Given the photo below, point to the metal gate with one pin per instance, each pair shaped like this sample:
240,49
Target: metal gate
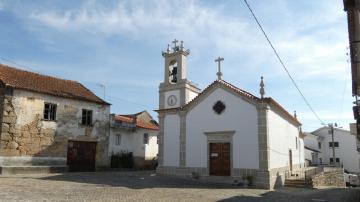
81,156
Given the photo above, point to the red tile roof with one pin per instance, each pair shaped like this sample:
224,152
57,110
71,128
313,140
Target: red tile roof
235,89
140,123
25,80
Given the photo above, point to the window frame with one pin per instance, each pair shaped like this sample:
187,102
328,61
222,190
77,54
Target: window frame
146,138
336,159
87,117
319,145
336,144
118,139
49,113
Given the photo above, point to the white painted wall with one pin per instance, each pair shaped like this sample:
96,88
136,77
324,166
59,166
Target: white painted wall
311,141
132,141
239,116
171,140
282,135
346,151
191,95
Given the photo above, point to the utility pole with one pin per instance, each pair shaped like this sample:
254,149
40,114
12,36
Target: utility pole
332,141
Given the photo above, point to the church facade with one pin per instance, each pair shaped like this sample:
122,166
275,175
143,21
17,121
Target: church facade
223,130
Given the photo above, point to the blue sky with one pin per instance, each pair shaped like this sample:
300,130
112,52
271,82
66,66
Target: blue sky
119,43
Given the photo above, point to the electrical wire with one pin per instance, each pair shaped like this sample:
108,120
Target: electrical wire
17,64
30,69
282,63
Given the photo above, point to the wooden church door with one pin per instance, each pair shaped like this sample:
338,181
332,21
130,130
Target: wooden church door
219,157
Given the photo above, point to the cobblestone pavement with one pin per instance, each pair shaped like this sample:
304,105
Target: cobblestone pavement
146,186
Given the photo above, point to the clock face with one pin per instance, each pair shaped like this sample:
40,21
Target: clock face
172,100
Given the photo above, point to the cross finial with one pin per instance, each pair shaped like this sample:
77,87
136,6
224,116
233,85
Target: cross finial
295,115
219,60
174,42
262,90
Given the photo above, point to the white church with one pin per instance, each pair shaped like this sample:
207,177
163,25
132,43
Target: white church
223,130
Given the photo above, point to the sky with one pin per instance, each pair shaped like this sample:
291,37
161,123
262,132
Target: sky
116,46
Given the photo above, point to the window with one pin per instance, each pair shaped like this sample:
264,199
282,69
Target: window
50,112
336,144
332,160
319,145
296,142
86,117
118,139
219,107
146,138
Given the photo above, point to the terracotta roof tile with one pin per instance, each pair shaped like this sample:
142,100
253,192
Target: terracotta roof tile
25,80
139,122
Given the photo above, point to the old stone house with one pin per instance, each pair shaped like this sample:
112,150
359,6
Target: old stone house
48,123
224,130
135,133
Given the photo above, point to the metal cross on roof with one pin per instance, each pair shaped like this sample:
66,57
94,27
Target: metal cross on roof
219,60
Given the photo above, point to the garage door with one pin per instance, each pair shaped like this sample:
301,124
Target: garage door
81,156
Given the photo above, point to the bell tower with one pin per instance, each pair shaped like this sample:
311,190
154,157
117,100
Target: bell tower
176,90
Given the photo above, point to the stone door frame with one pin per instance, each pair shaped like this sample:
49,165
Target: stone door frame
219,137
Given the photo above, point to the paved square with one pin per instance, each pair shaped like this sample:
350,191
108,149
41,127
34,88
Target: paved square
146,186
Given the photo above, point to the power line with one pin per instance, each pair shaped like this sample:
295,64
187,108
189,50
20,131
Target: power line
17,64
282,63
113,97
343,94
124,100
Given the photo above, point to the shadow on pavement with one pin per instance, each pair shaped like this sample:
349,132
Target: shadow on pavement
135,180
302,195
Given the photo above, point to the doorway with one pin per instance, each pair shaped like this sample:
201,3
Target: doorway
219,157
81,156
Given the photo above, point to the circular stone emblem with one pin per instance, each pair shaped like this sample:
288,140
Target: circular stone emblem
172,100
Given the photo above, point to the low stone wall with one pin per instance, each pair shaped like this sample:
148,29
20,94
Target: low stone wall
31,161
333,177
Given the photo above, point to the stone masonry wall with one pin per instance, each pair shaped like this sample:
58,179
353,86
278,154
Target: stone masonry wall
29,139
332,178
25,133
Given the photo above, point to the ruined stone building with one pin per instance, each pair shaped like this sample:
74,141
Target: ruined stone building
135,133
50,123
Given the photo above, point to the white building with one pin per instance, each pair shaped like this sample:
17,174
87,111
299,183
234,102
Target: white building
136,133
346,153
223,130
50,121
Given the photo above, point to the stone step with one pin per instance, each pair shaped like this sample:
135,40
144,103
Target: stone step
32,161
14,170
297,183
